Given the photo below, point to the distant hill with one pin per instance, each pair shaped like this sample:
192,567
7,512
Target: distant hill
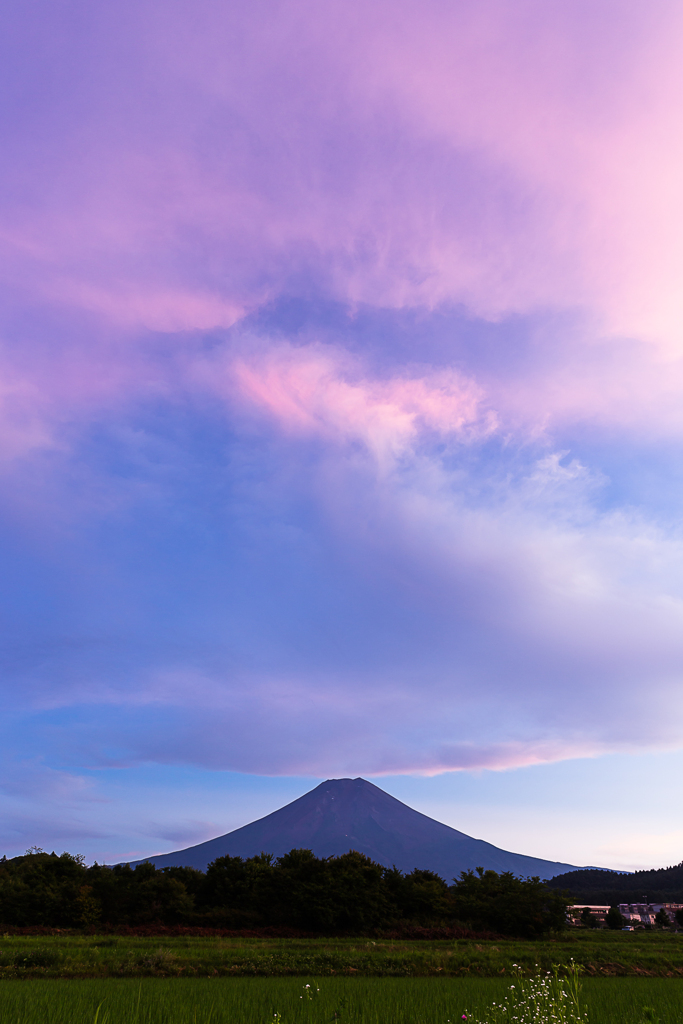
662,885
352,814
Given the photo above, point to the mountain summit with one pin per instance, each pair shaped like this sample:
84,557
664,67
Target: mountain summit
352,814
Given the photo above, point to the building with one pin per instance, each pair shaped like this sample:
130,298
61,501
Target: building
645,913
597,911
636,915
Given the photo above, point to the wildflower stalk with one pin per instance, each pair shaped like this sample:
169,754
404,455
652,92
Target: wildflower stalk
550,998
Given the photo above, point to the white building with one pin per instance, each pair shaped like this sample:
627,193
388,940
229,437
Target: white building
634,914
644,913
598,911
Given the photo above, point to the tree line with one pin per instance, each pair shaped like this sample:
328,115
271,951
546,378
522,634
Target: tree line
348,894
591,885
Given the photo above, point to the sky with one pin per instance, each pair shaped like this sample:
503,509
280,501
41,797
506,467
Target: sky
341,367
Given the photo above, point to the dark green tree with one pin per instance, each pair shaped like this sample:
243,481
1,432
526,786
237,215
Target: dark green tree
345,893
421,897
508,904
231,891
662,919
588,919
42,889
614,919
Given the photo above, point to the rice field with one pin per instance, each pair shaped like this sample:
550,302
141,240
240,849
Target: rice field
283,1000
71,956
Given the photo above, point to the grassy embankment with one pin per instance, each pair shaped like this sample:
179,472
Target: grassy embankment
653,954
342,1000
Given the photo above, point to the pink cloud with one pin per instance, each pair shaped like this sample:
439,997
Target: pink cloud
506,157
582,114
317,391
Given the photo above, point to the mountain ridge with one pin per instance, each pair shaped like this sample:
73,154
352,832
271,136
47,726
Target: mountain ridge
655,885
343,814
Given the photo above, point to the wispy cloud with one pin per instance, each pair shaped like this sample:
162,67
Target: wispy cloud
317,391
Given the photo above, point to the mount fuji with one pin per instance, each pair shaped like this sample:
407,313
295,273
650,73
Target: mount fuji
352,814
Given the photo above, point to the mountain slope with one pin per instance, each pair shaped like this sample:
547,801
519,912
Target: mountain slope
352,814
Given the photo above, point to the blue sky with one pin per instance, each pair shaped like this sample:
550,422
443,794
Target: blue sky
340,420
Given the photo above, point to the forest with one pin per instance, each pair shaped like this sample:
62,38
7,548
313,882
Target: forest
349,894
591,885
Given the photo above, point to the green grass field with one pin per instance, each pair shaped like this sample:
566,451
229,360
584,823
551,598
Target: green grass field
655,954
343,1000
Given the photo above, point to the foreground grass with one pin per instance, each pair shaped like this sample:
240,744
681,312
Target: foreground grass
654,954
343,1000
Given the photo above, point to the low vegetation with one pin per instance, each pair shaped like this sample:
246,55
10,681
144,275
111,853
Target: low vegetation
600,954
342,1000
